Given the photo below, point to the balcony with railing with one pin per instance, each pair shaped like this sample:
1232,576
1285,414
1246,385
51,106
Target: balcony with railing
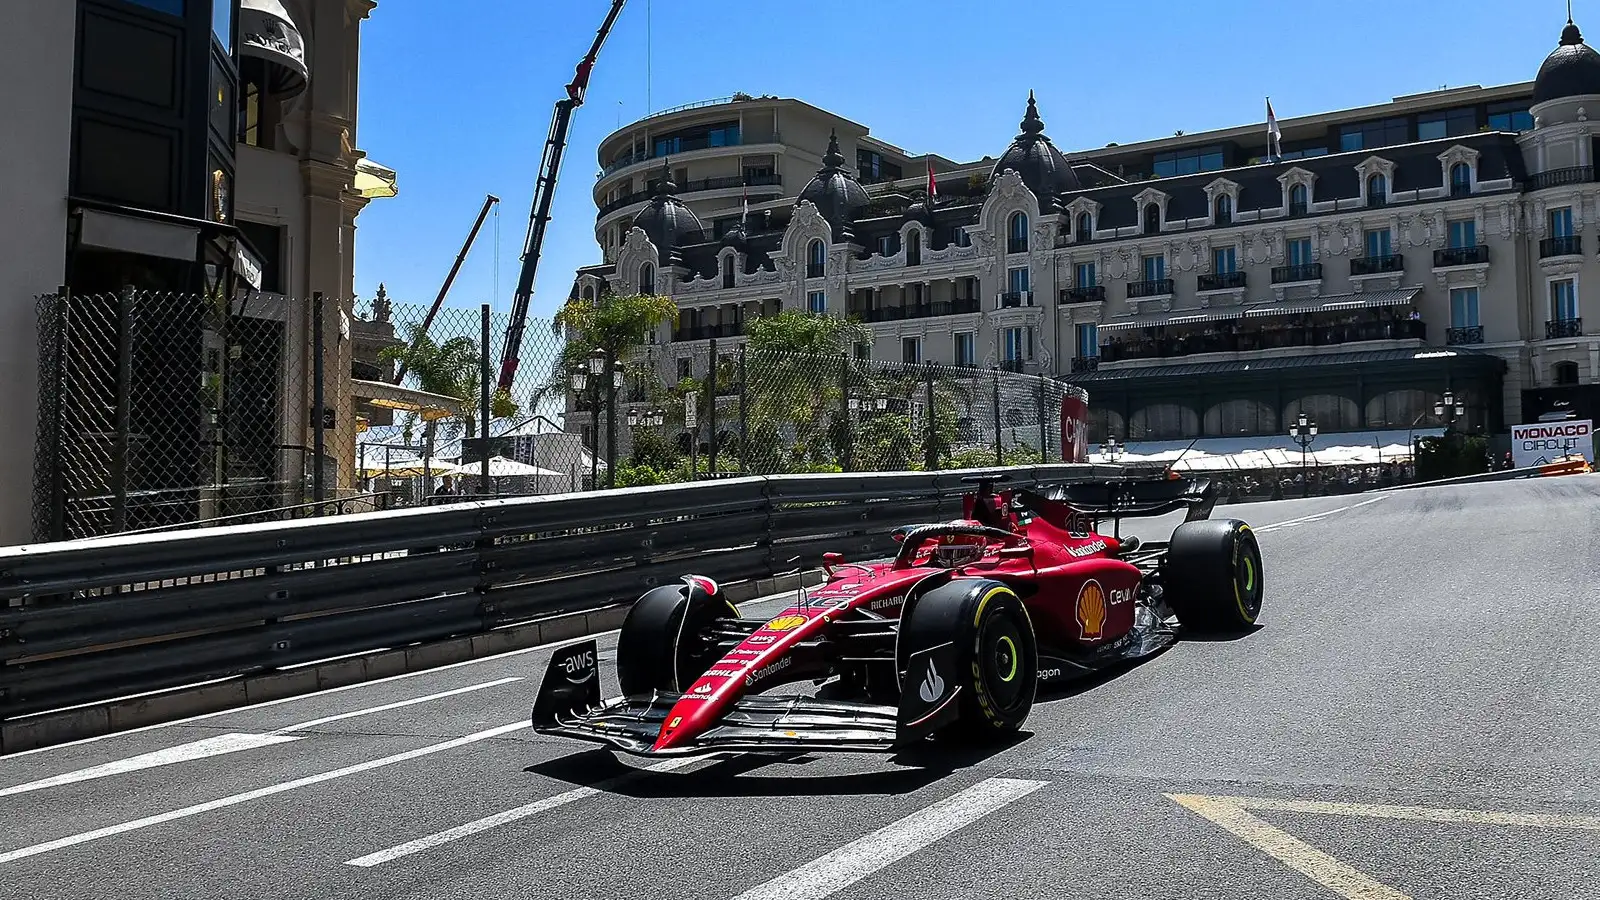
1568,245
1014,300
695,186
1460,256
1017,245
1293,274
1269,335
705,332
1092,294
1012,365
687,146
1388,264
1561,177
1563,328
1158,287
957,307
1085,363
1463,334
1221,281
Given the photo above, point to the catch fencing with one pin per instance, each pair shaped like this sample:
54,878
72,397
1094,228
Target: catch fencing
87,621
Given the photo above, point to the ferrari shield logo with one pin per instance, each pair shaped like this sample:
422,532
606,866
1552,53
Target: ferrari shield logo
1091,610
786,623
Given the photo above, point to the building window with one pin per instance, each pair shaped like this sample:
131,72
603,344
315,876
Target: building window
1464,307
1017,280
1083,275
1152,218
1377,242
889,245
1088,339
817,302
1377,190
1299,200
1299,251
684,368
914,248
647,279
959,236
966,348
1510,117
1225,260
1187,162
1561,222
1452,122
1012,347
1085,226
1463,233
1460,180
816,259
1154,267
1563,300
1566,373
727,271
1371,135
911,350
1017,234
1224,210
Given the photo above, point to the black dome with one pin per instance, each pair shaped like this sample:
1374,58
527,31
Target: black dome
1043,168
835,192
1571,70
736,238
669,224
919,211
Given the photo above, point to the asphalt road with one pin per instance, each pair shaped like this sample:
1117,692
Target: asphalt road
1417,717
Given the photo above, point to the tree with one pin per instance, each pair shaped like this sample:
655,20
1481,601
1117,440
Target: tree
797,367
452,369
616,324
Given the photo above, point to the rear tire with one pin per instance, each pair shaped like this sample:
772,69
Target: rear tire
1213,575
657,650
997,657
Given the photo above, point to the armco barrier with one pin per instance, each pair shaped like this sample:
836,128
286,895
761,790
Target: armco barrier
87,621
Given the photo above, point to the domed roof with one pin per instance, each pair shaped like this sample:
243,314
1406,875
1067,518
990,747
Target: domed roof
835,191
919,211
1043,168
736,237
669,224
1571,70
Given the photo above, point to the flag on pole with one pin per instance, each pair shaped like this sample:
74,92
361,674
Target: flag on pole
933,186
744,217
1274,136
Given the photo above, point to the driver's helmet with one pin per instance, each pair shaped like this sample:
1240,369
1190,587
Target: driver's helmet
954,550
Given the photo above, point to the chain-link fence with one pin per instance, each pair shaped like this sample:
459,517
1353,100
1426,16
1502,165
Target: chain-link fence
160,410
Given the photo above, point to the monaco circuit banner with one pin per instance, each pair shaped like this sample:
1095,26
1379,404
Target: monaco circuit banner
1540,443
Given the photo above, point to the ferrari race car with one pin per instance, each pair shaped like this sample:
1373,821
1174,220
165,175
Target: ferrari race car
951,639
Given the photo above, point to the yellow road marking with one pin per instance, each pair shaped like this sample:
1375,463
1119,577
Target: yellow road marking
1232,814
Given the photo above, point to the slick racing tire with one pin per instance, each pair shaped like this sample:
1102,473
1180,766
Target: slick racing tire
662,646
1212,575
997,656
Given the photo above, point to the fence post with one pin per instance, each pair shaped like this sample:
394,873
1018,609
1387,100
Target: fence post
58,419
744,417
124,411
999,445
1044,434
930,452
847,461
610,387
319,435
484,407
711,411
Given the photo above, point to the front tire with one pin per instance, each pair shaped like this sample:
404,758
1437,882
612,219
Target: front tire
1213,575
997,657
661,645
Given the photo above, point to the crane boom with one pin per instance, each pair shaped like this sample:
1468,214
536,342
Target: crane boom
543,194
472,237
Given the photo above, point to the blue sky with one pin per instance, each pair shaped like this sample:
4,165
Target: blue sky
460,103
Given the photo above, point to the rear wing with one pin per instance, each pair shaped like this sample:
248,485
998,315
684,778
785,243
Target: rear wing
1067,505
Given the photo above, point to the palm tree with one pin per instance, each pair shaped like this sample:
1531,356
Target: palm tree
451,369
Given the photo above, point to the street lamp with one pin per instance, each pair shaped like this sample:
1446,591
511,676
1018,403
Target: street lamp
581,383
1110,449
1449,408
1304,431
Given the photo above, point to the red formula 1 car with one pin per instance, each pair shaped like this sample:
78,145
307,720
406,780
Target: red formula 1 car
952,638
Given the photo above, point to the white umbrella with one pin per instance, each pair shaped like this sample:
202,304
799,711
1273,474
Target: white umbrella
500,467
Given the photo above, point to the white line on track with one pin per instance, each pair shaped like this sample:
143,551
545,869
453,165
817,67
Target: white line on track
306,726
892,843
246,797
1314,517
507,817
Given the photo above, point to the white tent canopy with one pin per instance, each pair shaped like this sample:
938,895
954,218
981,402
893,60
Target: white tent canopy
1271,451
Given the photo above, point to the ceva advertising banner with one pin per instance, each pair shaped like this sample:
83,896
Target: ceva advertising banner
1545,442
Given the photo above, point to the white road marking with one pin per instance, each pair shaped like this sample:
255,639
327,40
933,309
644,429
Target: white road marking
507,817
212,746
1232,814
1332,874
892,843
306,726
1313,517
349,687
236,799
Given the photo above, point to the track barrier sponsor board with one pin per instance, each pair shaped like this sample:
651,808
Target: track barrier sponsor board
1542,443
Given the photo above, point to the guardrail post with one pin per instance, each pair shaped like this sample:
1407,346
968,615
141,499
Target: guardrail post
319,437
484,408
711,410
124,411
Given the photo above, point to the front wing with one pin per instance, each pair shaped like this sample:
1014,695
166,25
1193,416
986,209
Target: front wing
569,705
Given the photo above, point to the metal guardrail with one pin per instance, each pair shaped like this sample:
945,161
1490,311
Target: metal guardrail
91,620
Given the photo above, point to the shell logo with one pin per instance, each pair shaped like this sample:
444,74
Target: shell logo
1091,610
786,623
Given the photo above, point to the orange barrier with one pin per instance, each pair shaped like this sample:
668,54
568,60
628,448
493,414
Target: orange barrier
1567,465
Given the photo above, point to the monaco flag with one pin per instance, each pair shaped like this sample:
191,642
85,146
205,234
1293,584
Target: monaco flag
933,186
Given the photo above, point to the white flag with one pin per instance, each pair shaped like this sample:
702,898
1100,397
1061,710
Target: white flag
1274,136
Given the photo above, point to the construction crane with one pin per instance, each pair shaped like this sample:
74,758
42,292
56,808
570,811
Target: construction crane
543,193
472,237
